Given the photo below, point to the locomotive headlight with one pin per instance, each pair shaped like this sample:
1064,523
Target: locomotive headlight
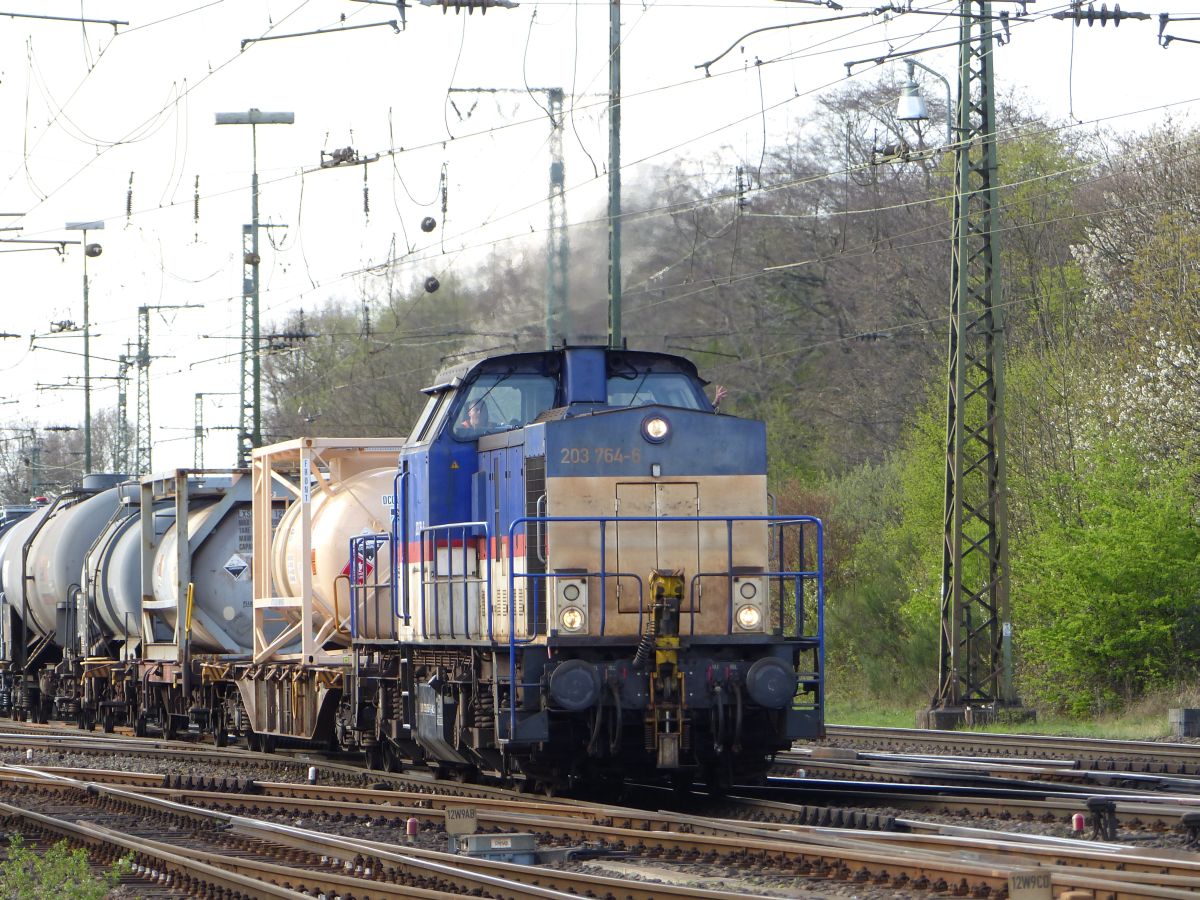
748,617
572,605
656,429
571,618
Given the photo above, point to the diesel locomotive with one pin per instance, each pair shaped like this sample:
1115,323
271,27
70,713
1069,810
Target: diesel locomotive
570,569
580,574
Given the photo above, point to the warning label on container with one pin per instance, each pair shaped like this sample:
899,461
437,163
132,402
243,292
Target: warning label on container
237,567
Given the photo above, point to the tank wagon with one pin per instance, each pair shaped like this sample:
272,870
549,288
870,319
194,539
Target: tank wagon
112,587
40,567
573,572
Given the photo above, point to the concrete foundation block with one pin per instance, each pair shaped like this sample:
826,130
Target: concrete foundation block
1184,722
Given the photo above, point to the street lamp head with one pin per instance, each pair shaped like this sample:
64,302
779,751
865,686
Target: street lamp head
256,117
911,106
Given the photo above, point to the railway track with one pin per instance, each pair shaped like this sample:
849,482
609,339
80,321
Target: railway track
978,865
1095,754
775,839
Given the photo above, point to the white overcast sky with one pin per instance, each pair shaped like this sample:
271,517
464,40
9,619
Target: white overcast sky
84,107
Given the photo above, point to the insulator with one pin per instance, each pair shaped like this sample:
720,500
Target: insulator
1078,15
129,198
469,5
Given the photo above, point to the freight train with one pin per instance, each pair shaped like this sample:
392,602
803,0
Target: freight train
570,570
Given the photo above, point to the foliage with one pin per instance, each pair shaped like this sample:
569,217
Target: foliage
359,372
888,518
59,873
1111,594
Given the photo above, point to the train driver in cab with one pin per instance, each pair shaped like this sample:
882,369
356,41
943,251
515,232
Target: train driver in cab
476,421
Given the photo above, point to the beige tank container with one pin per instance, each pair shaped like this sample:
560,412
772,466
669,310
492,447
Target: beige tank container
339,488
340,510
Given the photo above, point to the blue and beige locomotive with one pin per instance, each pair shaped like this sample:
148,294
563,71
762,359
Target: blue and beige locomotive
578,575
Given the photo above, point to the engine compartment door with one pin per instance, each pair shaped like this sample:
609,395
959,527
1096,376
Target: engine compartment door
645,546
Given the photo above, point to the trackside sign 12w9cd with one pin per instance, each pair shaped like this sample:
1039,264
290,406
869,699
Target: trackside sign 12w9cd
1029,884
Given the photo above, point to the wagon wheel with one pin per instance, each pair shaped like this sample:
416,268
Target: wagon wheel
220,727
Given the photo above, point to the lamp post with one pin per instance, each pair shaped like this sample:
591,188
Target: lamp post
88,250
911,106
250,430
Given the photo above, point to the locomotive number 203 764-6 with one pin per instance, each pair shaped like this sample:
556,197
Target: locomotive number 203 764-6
599,455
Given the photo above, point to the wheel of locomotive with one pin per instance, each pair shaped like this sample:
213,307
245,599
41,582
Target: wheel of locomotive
254,741
109,722
718,778
681,782
170,732
270,743
139,727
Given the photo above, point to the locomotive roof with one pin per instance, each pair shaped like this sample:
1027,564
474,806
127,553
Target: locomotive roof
551,361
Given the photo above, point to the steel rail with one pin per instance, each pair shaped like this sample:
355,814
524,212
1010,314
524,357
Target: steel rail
86,834
505,880
876,857
1024,745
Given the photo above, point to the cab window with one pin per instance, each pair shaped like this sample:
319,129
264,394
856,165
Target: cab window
501,402
665,388
429,416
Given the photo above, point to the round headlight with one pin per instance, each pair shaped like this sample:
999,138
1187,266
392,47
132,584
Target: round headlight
571,618
748,590
656,429
571,592
748,617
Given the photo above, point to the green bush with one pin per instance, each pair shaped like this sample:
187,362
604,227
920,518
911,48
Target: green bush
58,874
1107,597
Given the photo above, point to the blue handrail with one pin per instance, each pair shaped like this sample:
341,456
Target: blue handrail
430,532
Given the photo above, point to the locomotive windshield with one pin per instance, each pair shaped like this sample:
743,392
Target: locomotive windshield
502,401
511,392
645,388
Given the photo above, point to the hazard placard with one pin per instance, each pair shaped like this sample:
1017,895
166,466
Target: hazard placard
237,567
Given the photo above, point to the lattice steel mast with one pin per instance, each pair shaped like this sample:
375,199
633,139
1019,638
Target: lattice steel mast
143,449
975,657
558,319
121,447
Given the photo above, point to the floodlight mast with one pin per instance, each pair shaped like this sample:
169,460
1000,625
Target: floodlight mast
88,250
250,419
